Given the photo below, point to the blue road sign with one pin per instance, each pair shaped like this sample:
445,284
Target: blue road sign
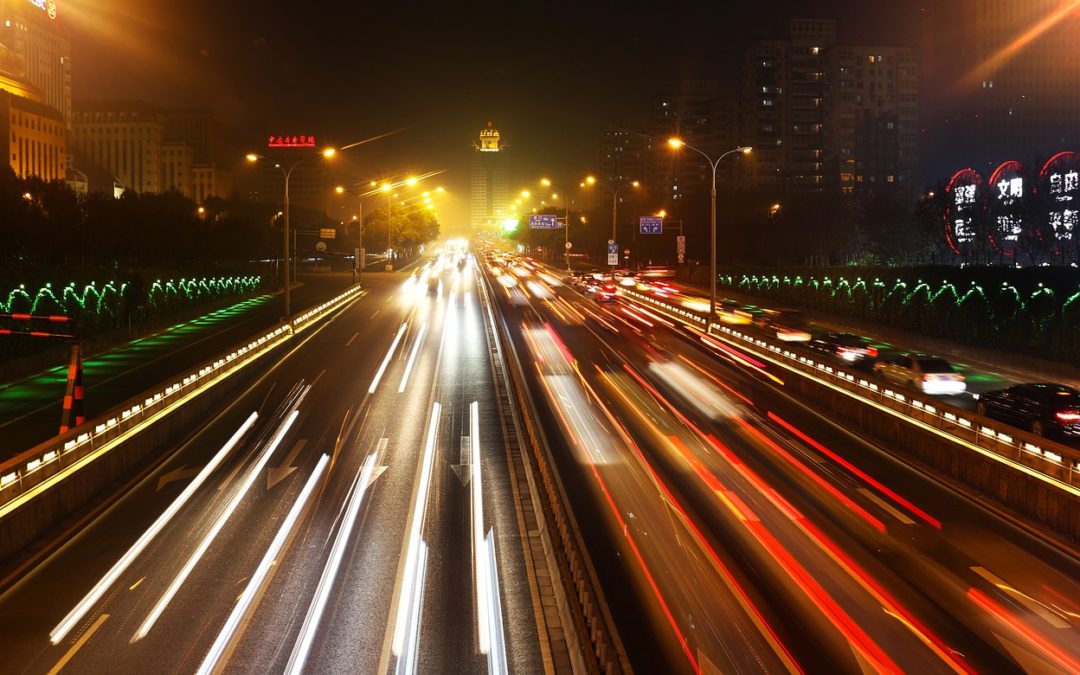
543,222
650,225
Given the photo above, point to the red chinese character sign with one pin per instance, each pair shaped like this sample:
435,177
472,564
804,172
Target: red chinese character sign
962,205
1005,203
290,142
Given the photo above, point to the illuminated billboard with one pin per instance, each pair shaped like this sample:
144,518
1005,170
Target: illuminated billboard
963,194
1059,184
1005,204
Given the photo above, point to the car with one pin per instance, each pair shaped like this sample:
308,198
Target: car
788,325
606,292
846,346
1041,408
929,374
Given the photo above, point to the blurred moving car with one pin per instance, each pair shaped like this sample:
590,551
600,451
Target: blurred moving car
847,346
789,325
929,374
606,292
1042,409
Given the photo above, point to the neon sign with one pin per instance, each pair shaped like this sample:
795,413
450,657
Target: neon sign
291,142
47,6
963,191
1060,178
1005,204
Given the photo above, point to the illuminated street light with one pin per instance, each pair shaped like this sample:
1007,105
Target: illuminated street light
286,259
411,180
677,144
614,190
661,213
526,194
339,189
546,182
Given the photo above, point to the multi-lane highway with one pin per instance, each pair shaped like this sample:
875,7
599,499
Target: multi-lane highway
839,555
350,512
353,511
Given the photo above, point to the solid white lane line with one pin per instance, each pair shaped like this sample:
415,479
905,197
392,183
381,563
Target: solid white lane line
99,589
302,646
386,361
228,631
416,523
412,357
197,555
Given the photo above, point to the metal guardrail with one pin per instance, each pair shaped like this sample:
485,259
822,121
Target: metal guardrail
34,471
1055,463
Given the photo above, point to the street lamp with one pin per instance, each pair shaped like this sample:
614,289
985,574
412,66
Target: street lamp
566,218
678,144
614,189
252,157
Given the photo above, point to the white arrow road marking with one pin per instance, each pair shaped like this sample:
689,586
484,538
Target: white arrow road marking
462,469
179,473
276,474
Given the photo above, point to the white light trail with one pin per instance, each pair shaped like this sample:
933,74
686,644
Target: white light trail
412,358
413,572
254,472
386,361
302,647
228,631
76,615
479,557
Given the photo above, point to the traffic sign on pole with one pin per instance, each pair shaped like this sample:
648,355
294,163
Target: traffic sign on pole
612,253
543,222
680,248
650,225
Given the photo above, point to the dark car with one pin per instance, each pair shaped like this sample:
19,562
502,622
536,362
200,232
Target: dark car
1042,409
846,346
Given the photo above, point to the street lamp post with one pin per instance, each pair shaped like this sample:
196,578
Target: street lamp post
566,218
615,194
252,157
743,149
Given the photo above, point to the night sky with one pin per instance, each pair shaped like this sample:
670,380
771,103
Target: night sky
549,75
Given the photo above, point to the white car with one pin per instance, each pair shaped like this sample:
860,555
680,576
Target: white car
929,374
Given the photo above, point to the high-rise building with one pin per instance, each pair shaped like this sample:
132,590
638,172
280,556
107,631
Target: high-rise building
32,137
489,181
1001,82
177,159
826,116
702,117
125,139
205,135
35,54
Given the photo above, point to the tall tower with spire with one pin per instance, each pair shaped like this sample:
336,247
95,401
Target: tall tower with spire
489,181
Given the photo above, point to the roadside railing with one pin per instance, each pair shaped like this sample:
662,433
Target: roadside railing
1057,463
34,471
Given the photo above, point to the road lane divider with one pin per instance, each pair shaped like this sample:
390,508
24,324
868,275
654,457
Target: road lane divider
249,479
490,634
79,611
228,632
32,473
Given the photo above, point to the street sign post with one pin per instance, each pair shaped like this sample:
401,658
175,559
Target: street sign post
680,249
612,253
569,245
650,225
543,222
